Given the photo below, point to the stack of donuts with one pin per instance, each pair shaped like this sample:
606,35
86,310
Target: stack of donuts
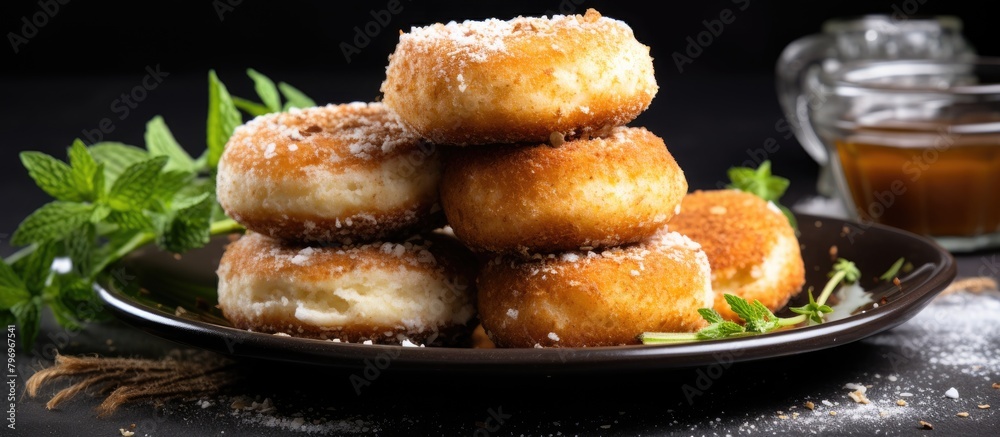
568,204
568,211
339,202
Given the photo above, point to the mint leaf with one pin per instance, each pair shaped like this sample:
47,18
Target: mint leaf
133,190
759,182
116,157
813,310
184,202
63,314
87,173
36,268
160,142
741,307
52,176
130,220
80,248
765,320
250,107
294,98
26,316
710,315
189,226
266,90
757,317
223,118
722,329
12,289
850,270
53,221
170,183
101,211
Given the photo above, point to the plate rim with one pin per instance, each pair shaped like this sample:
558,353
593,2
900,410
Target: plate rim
256,345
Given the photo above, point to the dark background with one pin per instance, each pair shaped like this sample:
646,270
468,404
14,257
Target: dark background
65,79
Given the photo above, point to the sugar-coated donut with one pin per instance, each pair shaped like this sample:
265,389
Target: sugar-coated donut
350,172
585,193
421,289
493,81
596,298
750,244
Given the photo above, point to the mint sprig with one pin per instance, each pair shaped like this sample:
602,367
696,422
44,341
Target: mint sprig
270,96
757,318
223,118
111,198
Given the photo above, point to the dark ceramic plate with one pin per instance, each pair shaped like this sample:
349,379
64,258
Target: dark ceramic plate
147,289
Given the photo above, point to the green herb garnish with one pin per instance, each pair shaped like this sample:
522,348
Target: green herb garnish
761,183
893,270
757,318
111,198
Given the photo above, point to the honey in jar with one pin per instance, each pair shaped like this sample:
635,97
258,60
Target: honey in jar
930,179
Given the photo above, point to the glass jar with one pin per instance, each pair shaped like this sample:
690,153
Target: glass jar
870,37
915,144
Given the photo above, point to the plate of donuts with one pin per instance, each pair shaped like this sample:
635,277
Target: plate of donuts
176,299
496,212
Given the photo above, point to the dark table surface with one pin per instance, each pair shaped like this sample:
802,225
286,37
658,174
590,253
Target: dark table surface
712,118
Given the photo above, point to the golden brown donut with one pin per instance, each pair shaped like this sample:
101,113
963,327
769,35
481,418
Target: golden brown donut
420,289
349,172
601,298
584,193
750,244
493,81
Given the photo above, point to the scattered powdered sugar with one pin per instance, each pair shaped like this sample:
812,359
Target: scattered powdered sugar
859,387
569,257
414,251
943,342
358,129
302,258
553,336
479,40
407,343
512,313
